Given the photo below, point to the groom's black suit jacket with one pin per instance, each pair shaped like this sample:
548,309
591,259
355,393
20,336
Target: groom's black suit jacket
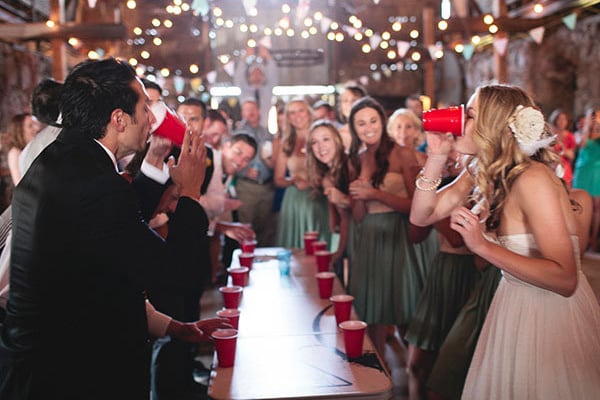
81,258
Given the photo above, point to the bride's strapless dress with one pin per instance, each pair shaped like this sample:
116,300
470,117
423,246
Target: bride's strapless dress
536,344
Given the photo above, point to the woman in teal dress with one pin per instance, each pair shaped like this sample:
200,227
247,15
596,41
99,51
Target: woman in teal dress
384,274
303,208
587,169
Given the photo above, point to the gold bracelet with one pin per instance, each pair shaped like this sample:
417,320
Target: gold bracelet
433,183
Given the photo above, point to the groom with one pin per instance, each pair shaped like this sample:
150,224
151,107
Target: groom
82,256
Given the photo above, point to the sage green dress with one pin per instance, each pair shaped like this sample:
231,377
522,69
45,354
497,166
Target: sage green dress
449,284
385,274
302,210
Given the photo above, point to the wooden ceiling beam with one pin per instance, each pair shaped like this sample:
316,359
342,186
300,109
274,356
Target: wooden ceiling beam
39,30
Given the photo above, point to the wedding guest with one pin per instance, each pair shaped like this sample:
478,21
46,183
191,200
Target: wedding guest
332,170
385,275
303,209
21,130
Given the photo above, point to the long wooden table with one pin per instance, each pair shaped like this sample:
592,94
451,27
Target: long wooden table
289,345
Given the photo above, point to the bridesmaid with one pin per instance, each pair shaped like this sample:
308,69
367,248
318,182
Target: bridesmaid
302,209
331,169
384,274
348,96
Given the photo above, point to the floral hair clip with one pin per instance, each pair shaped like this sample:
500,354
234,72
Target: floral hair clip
528,128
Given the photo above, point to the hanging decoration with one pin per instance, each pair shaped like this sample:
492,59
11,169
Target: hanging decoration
375,40
211,77
265,42
500,45
178,83
570,21
325,23
468,51
537,34
229,68
249,6
302,11
195,83
200,7
403,47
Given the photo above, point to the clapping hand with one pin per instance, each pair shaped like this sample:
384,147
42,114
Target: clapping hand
190,168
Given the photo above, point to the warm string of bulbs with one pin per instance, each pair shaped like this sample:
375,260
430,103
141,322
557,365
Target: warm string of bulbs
333,30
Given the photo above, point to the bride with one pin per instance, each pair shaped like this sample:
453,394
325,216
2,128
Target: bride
541,336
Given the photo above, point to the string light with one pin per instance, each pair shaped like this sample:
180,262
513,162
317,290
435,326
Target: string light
488,19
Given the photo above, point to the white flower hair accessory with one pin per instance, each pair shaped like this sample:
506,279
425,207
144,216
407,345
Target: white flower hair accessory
528,127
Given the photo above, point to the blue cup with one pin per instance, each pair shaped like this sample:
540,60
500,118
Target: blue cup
284,258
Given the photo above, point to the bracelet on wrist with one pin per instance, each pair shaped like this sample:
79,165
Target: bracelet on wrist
425,184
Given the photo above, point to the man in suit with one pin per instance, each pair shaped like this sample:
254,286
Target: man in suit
81,255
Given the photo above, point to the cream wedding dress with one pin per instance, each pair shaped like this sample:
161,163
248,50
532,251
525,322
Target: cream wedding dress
537,344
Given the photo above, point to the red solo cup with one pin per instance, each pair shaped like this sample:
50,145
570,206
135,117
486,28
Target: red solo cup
342,306
451,119
325,282
248,246
232,295
167,124
239,275
323,260
354,334
308,244
319,245
225,343
232,314
246,259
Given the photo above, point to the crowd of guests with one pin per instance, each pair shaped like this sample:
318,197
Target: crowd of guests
439,239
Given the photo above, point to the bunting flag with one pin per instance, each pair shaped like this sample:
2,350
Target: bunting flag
92,3
570,21
434,49
402,48
211,77
302,11
350,29
200,7
229,68
249,6
537,34
364,80
265,42
178,83
468,51
375,40
195,84
500,45
376,76
325,22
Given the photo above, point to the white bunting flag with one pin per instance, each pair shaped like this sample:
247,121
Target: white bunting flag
211,77
375,40
229,68
265,42
537,34
402,48
325,22
500,45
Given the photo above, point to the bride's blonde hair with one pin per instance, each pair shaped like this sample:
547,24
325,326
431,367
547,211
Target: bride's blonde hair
499,159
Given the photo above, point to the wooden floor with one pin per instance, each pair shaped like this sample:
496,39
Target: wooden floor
395,355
